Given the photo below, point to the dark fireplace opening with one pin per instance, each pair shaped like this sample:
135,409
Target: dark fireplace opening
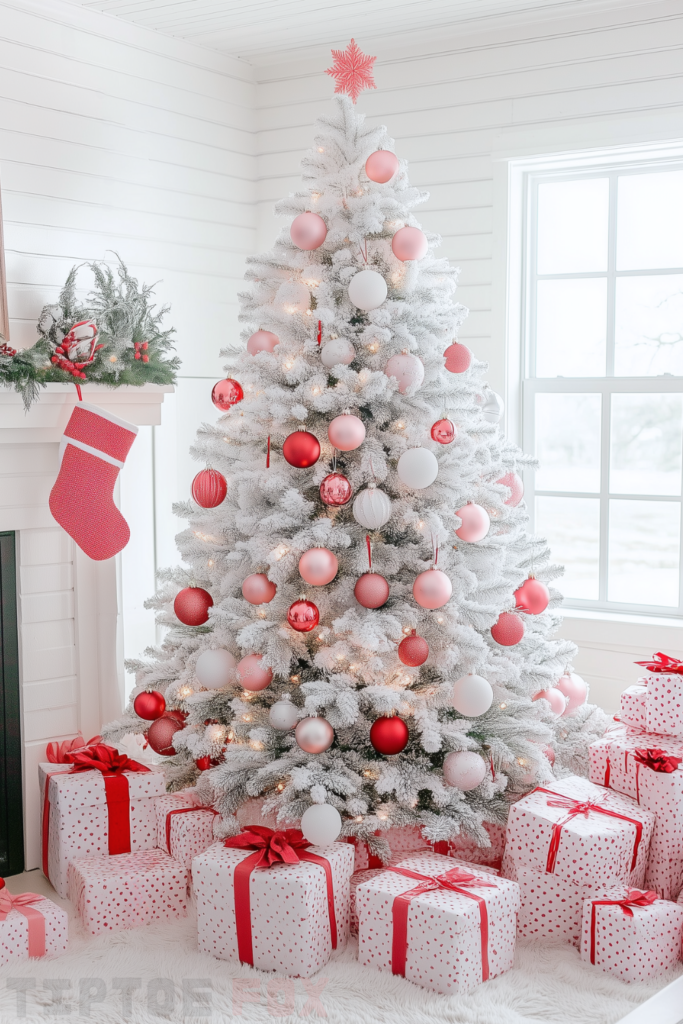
11,816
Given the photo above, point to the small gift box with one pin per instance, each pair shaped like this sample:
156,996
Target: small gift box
444,924
127,890
579,832
550,907
101,803
184,826
272,900
633,707
631,933
664,701
357,879
31,926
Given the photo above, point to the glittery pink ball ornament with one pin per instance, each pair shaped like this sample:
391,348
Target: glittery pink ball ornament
303,616
409,244
346,432
371,590
381,166
532,596
458,358
408,370
314,735
554,698
262,341
336,490
509,629
573,687
226,393
475,522
432,589
318,566
258,589
308,231
251,673
516,485
413,650
444,431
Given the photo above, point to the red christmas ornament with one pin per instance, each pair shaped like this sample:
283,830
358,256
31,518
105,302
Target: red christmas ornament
192,606
413,650
141,348
177,714
443,431
389,735
7,350
203,763
532,596
160,735
149,705
226,393
209,488
458,358
301,449
352,70
509,629
303,616
336,489
258,589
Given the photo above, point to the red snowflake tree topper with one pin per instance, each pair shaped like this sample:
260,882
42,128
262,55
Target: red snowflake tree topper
352,70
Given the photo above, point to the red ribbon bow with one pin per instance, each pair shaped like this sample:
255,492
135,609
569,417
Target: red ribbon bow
103,758
657,759
36,922
634,898
272,847
663,663
584,807
57,753
455,880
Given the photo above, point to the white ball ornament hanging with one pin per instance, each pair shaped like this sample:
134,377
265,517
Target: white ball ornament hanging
408,370
367,290
372,508
215,669
283,715
321,824
339,352
417,468
472,696
493,407
463,769
314,735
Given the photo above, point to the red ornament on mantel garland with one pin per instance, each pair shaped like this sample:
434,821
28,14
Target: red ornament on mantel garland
192,606
141,348
413,650
301,449
509,629
226,393
149,705
7,350
389,735
336,490
209,488
303,616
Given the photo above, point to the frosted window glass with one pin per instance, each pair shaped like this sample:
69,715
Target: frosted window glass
644,552
646,444
572,528
649,325
650,221
571,328
572,226
568,442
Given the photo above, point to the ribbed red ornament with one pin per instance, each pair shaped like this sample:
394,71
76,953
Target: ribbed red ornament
301,449
209,488
389,735
160,735
371,590
532,596
303,616
413,650
149,705
443,431
192,606
336,489
458,358
509,629
226,393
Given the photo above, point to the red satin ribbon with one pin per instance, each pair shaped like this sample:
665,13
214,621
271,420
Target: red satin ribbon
373,860
36,922
635,898
662,663
46,817
282,847
58,753
182,810
575,807
454,881
657,759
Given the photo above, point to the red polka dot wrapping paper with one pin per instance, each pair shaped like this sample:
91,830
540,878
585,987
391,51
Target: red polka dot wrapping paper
190,833
633,706
550,907
664,705
14,932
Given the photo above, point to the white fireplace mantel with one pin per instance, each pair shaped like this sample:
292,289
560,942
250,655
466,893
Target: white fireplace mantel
70,639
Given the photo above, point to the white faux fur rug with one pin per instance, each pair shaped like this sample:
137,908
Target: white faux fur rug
170,980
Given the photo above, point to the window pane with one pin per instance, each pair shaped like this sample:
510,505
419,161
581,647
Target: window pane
646,444
644,552
650,221
572,226
572,528
568,442
571,319
649,325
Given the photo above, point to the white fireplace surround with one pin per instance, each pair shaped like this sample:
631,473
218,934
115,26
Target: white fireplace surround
70,636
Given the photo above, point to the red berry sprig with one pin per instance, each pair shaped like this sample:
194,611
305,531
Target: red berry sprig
141,351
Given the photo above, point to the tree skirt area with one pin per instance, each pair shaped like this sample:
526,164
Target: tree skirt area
173,981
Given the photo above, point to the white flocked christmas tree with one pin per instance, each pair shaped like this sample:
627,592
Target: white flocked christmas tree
423,444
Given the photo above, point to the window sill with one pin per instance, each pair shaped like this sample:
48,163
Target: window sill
622,617
640,635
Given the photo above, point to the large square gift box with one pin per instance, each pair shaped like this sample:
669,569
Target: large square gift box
631,933
101,804
272,900
31,926
566,841
664,697
648,768
184,826
443,924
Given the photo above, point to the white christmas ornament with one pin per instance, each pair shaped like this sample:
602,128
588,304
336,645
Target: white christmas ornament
372,508
408,370
417,468
337,352
321,824
293,296
215,669
283,715
493,407
464,770
472,696
367,290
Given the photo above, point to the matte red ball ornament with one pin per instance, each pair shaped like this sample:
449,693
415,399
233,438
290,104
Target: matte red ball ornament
301,449
177,714
209,488
303,616
160,735
226,393
413,650
192,606
458,358
149,705
371,590
262,341
532,597
251,673
389,735
516,485
308,231
409,244
336,490
509,629
443,431
258,589
381,166
318,566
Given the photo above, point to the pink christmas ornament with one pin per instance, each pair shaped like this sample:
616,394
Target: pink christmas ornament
226,393
413,650
318,566
444,431
475,522
550,754
381,166
303,616
346,432
509,629
371,590
516,486
408,370
432,589
314,735
251,674
409,244
458,358
308,231
554,698
262,341
573,687
336,490
258,589
532,597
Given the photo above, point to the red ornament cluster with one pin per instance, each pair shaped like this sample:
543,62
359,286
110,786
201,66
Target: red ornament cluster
209,488
66,355
141,348
7,350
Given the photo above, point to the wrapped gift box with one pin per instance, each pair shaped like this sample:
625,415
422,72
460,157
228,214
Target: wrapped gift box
286,925
184,827
550,907
356,879
633,706
649,768
81,817
450,938
464,848
664,699
127,890
38,928
633,941
579,832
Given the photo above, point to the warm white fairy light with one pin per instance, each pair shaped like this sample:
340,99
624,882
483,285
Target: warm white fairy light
316,390
280,786
373,347
279,552
288,364
247,718
215,733
185,691
294,679
502,707
255,744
